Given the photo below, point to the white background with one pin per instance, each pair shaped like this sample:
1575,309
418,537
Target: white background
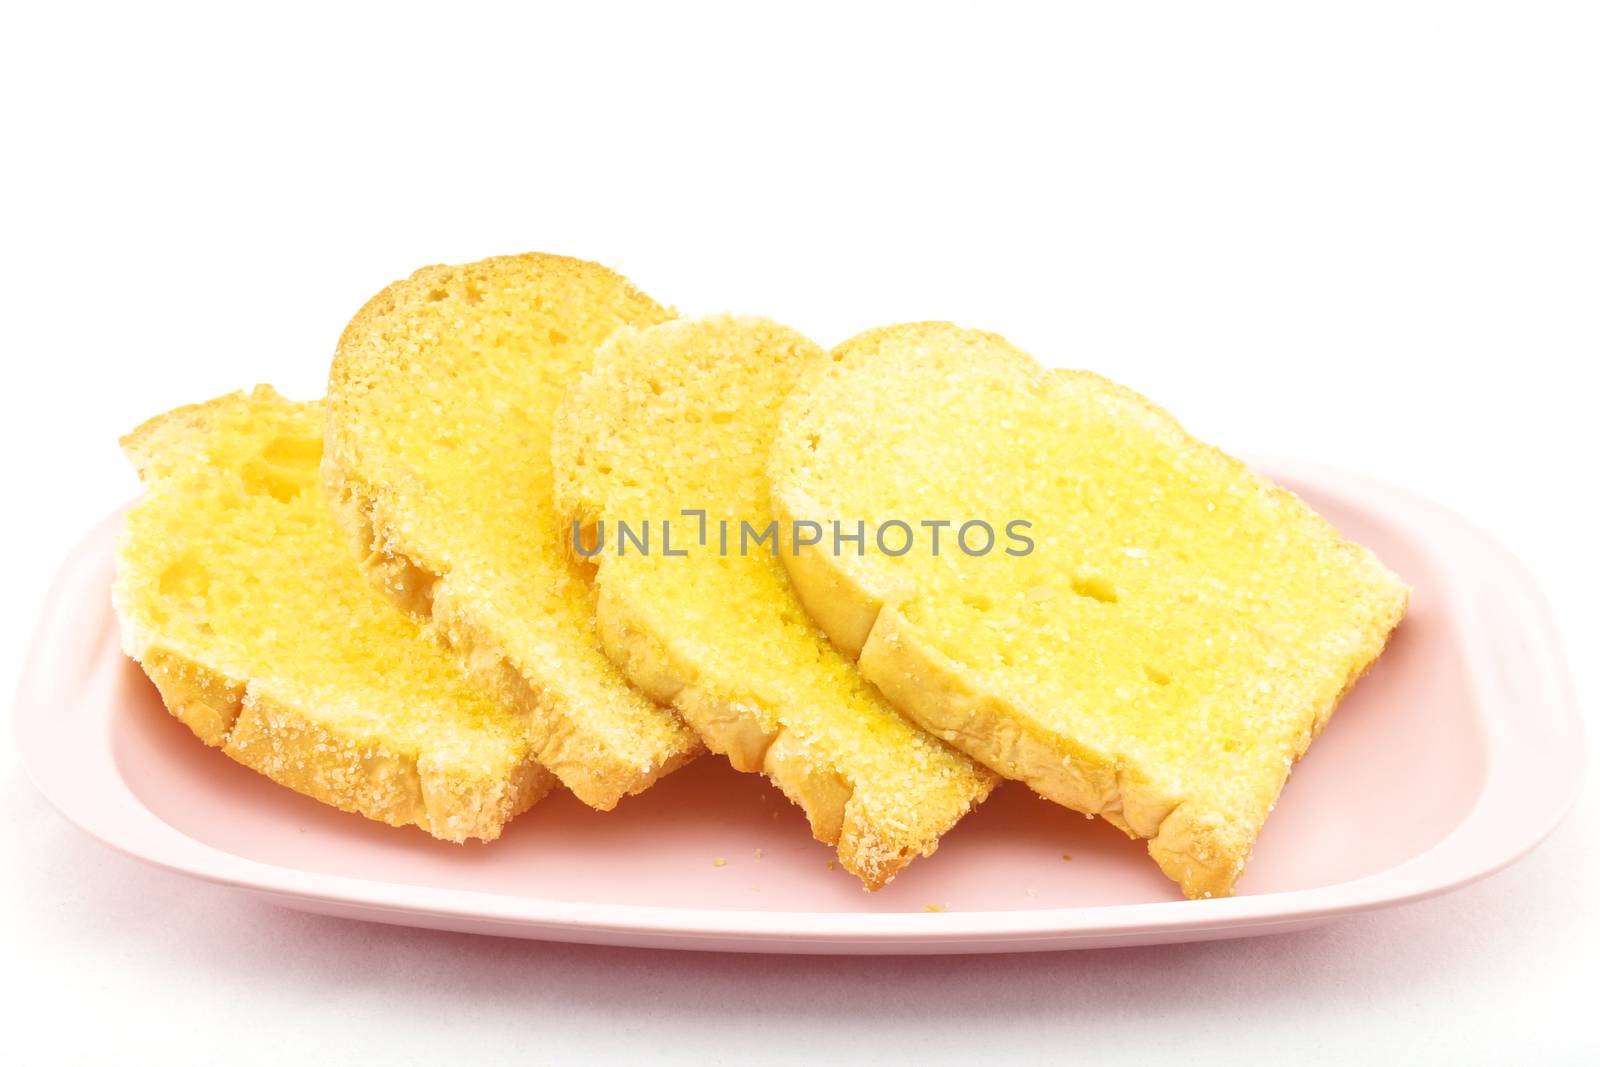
1365,234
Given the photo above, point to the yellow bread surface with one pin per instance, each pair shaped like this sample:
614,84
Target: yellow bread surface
680,416
1180,632
440,402
241,601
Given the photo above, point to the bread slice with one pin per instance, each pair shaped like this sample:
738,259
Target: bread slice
679,416
1176,637
240,600
440,401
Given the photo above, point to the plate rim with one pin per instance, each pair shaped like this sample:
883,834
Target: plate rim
1513,657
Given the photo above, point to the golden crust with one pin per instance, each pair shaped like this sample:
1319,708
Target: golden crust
349,772
731,725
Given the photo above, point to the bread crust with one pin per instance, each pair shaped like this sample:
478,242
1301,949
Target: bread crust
349,772
732,726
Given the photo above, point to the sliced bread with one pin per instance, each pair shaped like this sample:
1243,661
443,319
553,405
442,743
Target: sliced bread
440,402
1158,643
677,418
241,601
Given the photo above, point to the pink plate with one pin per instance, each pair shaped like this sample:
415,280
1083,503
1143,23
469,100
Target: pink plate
1456,755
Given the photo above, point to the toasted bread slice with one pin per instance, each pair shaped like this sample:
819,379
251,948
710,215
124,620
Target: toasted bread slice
680,416
1176,637
439,409
241,601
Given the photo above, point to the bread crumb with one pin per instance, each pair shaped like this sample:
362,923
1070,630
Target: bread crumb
758,855
719,862
832,864
1067,856
935,907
